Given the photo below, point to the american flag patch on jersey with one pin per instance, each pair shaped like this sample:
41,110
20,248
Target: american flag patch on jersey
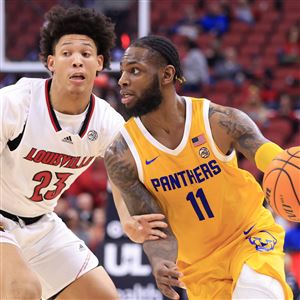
198,140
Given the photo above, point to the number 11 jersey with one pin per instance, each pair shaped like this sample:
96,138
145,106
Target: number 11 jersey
207,199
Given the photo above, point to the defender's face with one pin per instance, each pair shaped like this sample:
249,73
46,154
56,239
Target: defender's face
139,81
75,62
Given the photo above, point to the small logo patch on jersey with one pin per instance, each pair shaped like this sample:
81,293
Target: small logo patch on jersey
198,140
2,228
148,162
92,135
68,139
204,152
81,247
263,241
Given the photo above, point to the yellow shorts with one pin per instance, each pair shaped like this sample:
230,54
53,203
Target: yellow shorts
215,276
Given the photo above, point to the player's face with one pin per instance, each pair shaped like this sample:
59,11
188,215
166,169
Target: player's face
139,82
75,62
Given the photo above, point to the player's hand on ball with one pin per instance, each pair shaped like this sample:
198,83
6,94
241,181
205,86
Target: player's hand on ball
167,276
145,227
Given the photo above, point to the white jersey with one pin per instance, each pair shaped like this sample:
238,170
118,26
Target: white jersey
39,159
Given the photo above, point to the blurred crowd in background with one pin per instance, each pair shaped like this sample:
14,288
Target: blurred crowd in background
241,53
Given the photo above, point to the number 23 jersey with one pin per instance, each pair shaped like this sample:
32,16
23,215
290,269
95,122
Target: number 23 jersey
207,199
39,159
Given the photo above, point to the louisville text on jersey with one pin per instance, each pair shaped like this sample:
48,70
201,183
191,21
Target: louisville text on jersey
58,159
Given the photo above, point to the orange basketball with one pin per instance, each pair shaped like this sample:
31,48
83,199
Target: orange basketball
281,184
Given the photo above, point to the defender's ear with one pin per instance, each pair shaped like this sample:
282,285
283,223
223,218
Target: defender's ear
50,63
100,61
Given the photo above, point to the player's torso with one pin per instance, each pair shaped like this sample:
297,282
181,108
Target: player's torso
48,158
205,196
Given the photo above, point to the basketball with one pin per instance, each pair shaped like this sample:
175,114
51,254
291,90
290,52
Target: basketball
281,184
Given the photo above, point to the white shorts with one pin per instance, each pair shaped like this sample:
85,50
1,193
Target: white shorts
52,250
256,286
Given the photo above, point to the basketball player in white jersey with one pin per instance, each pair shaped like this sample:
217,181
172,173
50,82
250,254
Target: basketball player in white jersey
51,132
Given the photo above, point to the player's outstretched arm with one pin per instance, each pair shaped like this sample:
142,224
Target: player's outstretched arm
233,129
138,228
162,253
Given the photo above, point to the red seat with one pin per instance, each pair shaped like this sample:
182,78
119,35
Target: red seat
239,27
251,168
232,39
257,38
281,125
285,72
278,131
224,86
218,98
250,49
274,136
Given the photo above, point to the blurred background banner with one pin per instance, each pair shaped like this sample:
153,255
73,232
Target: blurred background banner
125,261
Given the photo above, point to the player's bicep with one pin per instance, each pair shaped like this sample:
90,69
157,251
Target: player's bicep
122,171
236,129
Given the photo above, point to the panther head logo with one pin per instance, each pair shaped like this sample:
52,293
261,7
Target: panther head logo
263,241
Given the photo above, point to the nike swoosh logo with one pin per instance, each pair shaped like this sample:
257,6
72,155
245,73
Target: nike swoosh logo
148,162
247,231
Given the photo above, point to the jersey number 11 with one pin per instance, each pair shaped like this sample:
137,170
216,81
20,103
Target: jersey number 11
201,196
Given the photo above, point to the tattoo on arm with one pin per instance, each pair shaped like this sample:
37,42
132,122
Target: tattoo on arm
123,173
244,133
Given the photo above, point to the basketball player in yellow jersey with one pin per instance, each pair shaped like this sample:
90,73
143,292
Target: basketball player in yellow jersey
177,155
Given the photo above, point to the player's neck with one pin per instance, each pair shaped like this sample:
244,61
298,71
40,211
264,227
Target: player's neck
170,112
166,124
67,102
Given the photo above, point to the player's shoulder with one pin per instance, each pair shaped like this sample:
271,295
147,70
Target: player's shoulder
196,101
22,88
101,103
105,110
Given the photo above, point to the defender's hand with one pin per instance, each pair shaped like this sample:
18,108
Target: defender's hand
145,227
1,226
166,274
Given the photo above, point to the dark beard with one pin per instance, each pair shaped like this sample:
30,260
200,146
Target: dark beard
148,102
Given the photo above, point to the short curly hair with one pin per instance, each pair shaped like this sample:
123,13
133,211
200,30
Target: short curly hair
77,20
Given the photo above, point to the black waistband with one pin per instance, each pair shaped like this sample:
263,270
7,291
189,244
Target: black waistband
18,219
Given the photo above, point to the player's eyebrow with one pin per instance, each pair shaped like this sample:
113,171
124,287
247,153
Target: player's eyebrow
83,43
129,63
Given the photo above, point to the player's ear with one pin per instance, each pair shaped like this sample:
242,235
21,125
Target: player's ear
50,63
168,74
100,60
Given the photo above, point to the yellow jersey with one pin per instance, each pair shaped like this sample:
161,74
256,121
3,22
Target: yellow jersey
211,204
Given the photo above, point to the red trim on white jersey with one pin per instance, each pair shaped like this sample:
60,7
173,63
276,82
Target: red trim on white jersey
50,109
53,117
88,117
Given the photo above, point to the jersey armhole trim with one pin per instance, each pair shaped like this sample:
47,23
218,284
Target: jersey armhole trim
216,151
134,153
13,144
